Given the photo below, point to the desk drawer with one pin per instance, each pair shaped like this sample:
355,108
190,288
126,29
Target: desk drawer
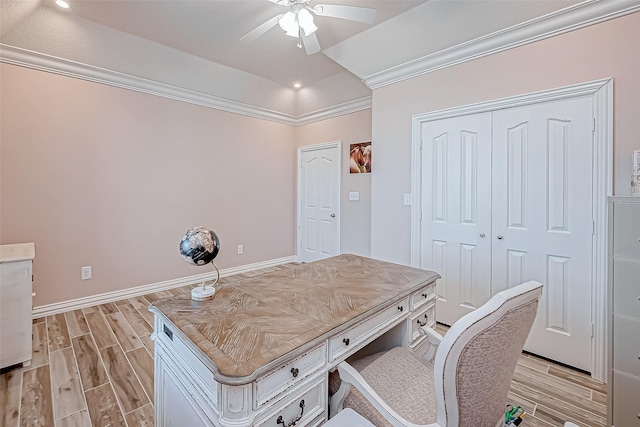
423,296
626,345
626,233
626,405
307,406
269,386
422,317
626,287
351,338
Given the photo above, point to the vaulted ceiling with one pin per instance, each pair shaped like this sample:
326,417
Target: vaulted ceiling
195,45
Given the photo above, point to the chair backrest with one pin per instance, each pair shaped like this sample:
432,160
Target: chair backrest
478,355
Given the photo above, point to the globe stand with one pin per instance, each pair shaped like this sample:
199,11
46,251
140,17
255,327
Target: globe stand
205,292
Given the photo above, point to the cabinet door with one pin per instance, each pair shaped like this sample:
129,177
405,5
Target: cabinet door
15,313
626,405
626,287
174,407
626,231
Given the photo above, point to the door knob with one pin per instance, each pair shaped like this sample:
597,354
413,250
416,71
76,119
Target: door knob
333,215
500,237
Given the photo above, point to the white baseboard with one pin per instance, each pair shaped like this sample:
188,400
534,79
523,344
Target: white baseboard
75,304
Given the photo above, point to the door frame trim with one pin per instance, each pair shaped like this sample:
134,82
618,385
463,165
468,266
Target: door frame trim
336,145
602,187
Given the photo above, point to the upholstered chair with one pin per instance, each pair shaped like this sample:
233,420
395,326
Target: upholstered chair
464,385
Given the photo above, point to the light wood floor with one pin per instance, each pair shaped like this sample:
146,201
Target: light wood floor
94,367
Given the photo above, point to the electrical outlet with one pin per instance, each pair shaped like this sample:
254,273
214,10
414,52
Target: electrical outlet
240,249
85,273
354,195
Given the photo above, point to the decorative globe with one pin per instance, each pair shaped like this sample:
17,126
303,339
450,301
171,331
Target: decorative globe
199,246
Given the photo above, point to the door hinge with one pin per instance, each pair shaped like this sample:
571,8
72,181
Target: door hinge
420,214
593,228
593,328
594,125
421,143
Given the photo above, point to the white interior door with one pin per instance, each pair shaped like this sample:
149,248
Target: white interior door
543,222
456,212
319,196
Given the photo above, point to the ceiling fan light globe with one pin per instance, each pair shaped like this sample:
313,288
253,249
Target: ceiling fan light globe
288,24
305,20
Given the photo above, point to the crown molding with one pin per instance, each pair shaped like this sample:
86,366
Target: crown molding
42,62
571,18
334,111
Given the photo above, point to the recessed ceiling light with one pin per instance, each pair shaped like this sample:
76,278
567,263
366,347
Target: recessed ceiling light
63,4
297,85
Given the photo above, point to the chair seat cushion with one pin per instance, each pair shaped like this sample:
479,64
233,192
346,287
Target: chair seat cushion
404,381
348,418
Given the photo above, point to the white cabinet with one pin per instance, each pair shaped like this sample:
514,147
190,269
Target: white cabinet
624,309
15,303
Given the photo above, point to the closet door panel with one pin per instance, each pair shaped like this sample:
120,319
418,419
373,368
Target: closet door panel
456,223
542,219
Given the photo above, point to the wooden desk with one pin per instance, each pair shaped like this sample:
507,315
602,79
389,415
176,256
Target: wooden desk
260,351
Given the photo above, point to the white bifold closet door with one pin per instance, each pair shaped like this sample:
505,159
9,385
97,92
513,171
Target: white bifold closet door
456,212
507,198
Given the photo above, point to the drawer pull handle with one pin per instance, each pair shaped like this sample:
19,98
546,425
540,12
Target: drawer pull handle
346,341
294,372
293,422
426,320
167,332
400,308
425,295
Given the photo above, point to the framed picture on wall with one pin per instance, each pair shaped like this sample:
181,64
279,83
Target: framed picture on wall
360,157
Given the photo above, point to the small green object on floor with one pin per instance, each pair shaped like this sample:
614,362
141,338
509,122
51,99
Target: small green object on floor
513,416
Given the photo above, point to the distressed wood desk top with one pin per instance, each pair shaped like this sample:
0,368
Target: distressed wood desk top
251,324
17,252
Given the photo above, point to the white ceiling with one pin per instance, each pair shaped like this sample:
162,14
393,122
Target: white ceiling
211,29
195,44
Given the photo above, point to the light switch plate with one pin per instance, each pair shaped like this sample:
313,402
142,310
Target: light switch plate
354,195
407,200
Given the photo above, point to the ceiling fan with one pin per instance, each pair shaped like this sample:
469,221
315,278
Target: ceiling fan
298,21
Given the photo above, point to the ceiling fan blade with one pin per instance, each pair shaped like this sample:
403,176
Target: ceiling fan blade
352,13
311,43
280,2
261,29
